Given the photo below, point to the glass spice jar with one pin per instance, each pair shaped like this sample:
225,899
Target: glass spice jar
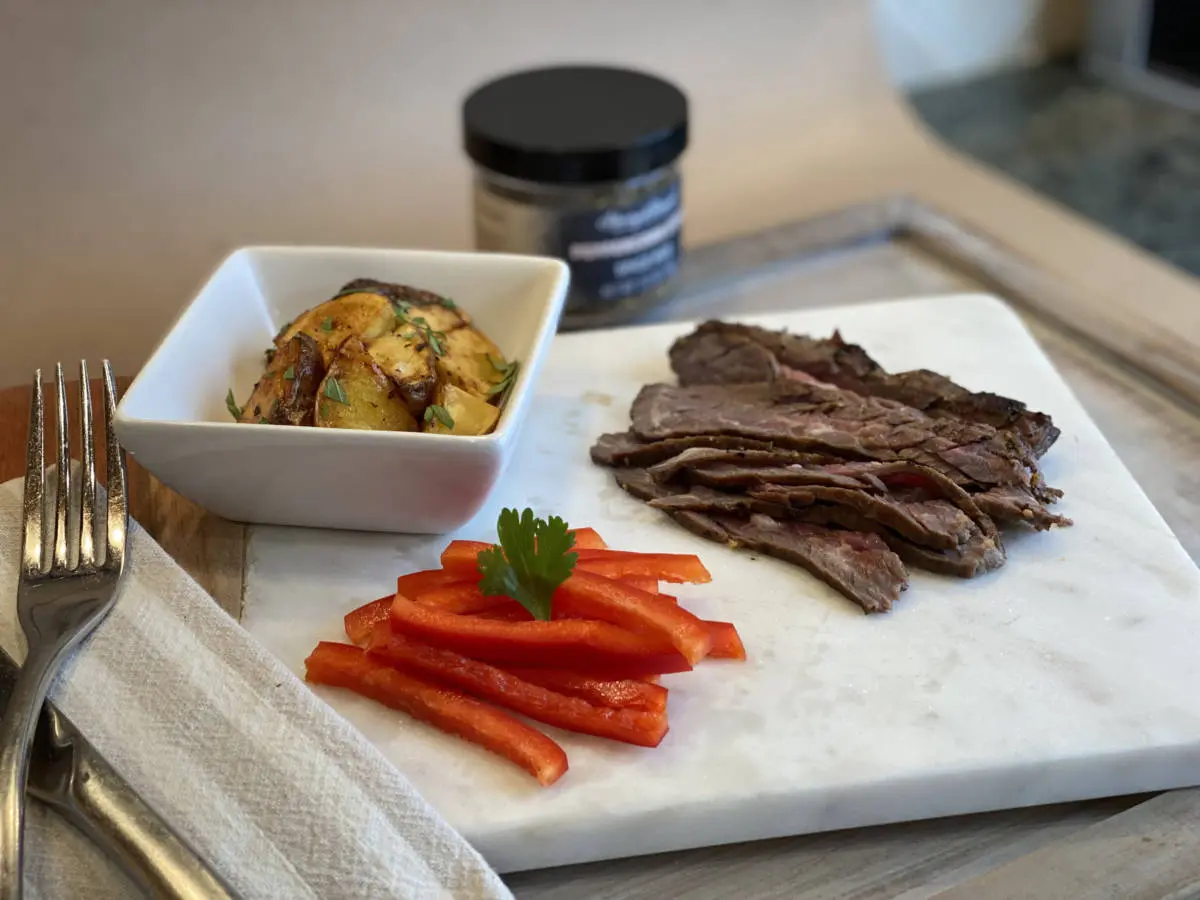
582,163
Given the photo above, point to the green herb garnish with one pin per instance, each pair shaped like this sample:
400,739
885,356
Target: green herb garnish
424,331
232,405
533,558
263,421
327,324
289,374
401,308
334,390
440,413
449,304
508,375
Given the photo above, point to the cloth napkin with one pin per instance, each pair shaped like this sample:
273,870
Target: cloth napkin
281,795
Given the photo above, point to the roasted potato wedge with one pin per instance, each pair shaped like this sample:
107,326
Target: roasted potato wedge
287,392
365,316
471,361
440,313
356,393
409,362
455,411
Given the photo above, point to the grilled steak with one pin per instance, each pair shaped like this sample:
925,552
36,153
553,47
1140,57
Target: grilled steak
817,418
859,565
627,449
724,353
1015,504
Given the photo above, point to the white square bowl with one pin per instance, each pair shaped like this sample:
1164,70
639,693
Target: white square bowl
174,422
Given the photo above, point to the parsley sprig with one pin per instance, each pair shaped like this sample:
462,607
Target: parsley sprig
532,559
231,404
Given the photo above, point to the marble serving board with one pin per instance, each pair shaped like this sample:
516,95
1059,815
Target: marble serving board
1068,674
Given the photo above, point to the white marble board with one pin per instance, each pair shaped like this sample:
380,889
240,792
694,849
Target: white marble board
1070,673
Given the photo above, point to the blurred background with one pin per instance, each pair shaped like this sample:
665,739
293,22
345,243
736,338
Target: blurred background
144,140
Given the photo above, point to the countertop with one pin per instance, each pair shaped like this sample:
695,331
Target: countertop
1128,162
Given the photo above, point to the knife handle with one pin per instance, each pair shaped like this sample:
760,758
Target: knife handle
94,797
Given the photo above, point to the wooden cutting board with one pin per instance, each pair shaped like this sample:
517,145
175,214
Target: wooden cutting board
1068,674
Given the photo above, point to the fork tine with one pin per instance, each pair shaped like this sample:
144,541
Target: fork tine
87,459
35,481
118,500
62,500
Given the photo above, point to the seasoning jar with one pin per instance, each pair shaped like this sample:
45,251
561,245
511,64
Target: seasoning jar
581,163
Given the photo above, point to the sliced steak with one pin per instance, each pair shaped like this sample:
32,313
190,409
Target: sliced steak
627,449
859,565
1016,505
724,353
816,418
699,498
735,468
981,553
931,523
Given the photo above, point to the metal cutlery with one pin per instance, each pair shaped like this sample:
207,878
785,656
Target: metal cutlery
71,567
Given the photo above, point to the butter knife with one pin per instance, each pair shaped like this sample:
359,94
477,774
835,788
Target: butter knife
67,773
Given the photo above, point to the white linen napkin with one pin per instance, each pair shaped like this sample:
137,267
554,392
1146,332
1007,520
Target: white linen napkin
280,794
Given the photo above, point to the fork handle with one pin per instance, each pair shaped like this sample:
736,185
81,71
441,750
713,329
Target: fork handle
101,804
16,735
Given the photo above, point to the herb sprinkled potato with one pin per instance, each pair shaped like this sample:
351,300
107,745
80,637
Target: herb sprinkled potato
382,356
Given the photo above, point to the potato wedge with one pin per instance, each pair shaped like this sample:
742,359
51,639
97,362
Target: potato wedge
441,313
365,316
356,393
467,413
287,392
469,361
409,362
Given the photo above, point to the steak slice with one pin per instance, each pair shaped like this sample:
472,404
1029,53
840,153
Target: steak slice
627,449
1014,504
725,353
859,565
981,553
931,523
738,467
816,418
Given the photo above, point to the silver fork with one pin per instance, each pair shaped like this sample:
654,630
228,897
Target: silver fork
62,599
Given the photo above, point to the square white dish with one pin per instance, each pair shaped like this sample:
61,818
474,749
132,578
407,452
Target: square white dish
174,422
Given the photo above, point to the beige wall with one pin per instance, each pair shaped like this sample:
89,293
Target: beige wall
143,139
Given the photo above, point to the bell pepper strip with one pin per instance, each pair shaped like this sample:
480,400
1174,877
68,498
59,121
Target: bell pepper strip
344,666
463,598
588,539
416,583
625,693
362,621
726,642
510,612
642,583
503,688
592,596
677,568
463,557
597,648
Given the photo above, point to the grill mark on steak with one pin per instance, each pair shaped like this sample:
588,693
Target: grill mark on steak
815,418
719,353
859,565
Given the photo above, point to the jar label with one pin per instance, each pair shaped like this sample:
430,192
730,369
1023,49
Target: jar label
623,251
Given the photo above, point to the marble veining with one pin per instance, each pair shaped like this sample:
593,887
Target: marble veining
1067,674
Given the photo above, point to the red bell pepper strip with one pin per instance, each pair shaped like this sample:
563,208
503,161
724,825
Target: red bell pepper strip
416,583
597,648
726,642
362,621
509,612
341,665
592,596
463,598
588,539
677,568
495,685
625,693
642,583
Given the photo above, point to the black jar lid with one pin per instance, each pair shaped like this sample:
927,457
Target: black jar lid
575,124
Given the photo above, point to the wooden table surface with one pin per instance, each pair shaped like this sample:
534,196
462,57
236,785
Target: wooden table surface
1121,848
